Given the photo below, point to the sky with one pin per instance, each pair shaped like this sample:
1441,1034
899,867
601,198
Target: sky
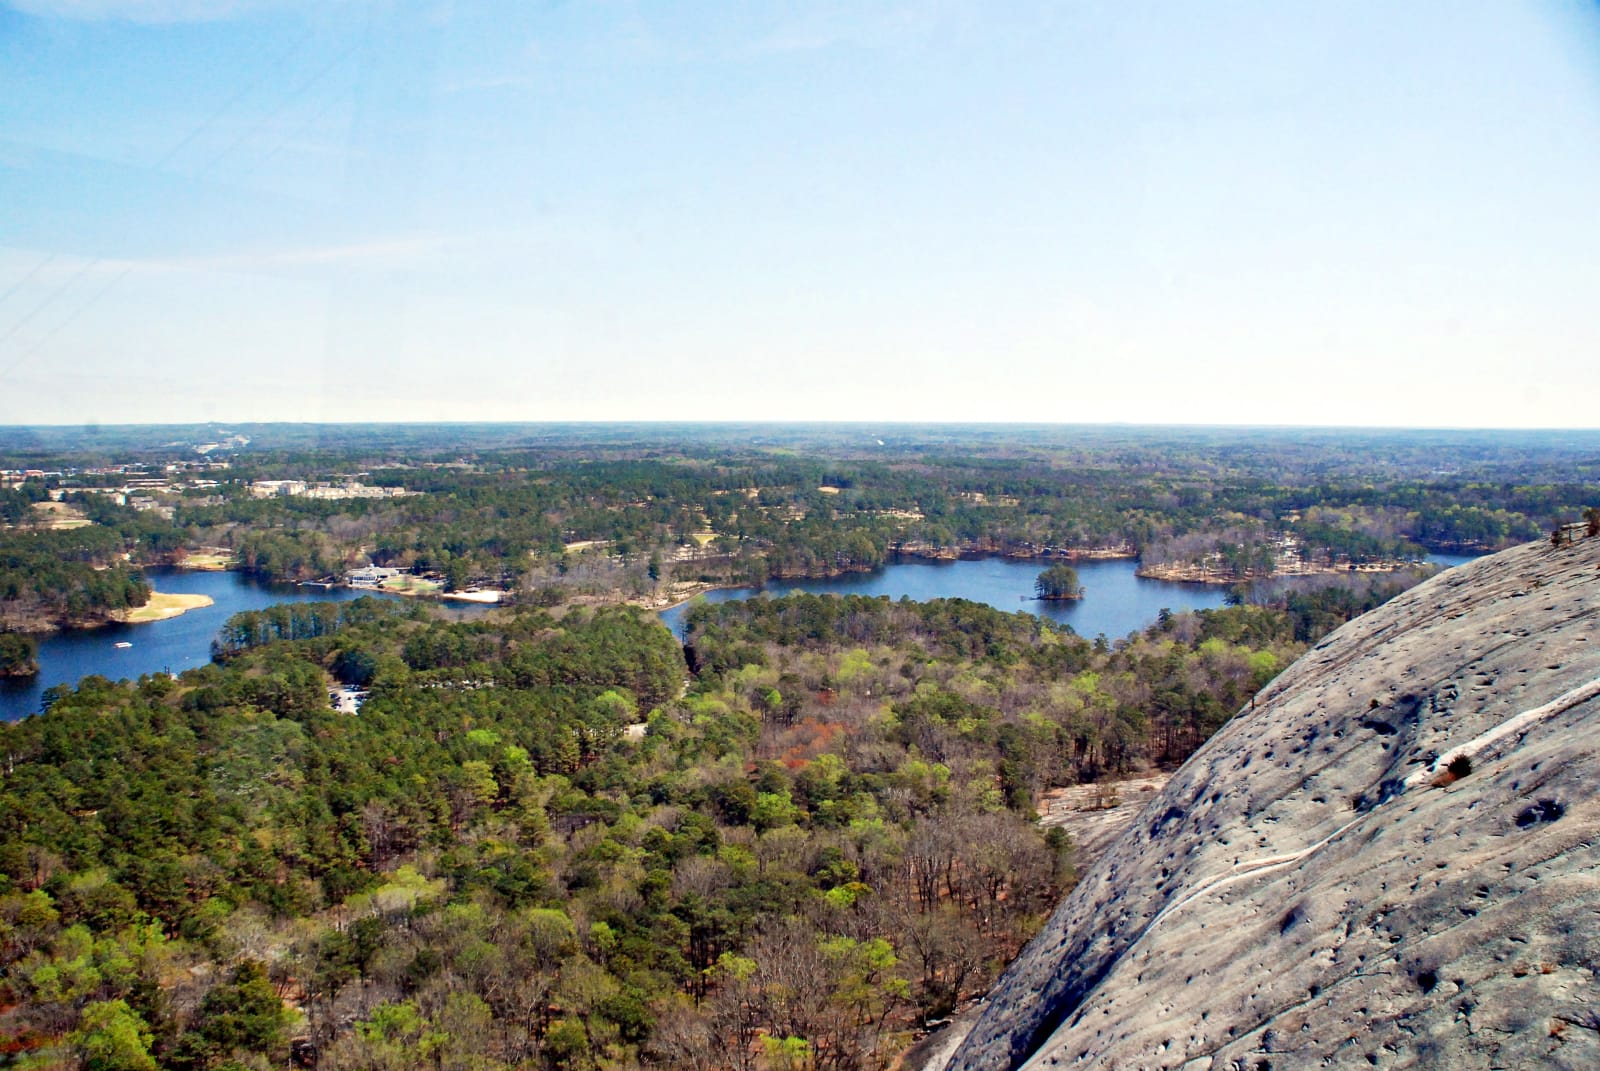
1358,213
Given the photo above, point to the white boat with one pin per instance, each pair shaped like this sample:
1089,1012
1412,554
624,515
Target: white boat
121,644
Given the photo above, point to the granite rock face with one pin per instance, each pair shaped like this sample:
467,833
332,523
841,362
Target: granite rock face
1390,861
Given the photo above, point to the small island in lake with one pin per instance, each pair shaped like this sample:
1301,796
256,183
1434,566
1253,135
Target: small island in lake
1057,583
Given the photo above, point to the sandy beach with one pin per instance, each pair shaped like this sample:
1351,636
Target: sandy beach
162,606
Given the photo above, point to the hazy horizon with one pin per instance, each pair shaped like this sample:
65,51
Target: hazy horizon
865,426
600,422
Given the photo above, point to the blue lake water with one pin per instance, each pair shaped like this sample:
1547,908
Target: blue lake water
1116,602
172,646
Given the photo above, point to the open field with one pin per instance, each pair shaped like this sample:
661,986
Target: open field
60,516
410,585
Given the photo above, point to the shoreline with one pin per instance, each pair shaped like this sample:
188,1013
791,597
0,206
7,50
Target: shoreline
161,606
476,598
206,563
480,598
972,552
1191,573
677,599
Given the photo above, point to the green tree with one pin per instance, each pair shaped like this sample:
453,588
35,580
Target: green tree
243,1014
773,810
1058,582
18,655
457,574
112,1037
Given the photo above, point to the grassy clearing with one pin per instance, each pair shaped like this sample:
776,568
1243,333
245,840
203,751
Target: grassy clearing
410,585
59,516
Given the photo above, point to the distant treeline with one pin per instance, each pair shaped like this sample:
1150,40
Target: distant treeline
722,508
754,517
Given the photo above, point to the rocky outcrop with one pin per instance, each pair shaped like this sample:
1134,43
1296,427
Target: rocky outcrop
1390,861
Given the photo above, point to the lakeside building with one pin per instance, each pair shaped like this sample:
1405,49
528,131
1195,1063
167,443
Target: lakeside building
369,576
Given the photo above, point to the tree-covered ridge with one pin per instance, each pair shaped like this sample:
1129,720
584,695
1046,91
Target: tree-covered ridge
534,845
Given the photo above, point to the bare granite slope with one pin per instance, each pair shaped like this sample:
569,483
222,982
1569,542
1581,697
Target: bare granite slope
1390,862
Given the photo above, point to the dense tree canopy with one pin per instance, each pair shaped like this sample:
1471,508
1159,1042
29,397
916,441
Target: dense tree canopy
72,576
18,655
1060,581
535,843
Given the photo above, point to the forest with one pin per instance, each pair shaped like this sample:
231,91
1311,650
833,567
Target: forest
561,840
547,515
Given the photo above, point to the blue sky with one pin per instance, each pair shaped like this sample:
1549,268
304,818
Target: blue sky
1304,213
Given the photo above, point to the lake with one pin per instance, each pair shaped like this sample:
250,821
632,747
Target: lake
172,646
1115,602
